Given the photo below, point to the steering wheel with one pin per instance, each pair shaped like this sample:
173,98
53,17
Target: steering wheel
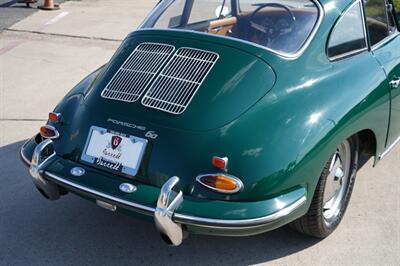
266,30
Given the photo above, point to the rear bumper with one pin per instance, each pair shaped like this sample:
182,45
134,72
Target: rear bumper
172,211
178,217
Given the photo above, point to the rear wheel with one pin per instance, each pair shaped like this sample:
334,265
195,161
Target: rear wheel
332,193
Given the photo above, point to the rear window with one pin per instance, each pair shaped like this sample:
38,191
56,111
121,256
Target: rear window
283,26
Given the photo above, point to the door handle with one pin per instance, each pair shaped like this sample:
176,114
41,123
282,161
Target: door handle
395,83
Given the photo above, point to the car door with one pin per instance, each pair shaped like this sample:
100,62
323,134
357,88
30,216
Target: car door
384,38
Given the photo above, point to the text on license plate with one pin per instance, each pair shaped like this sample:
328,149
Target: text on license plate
115,151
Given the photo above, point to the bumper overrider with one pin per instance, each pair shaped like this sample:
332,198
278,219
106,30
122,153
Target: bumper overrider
173,213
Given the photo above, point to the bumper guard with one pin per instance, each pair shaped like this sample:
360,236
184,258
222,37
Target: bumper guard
168,222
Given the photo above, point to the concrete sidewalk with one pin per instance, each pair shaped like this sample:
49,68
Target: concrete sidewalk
103,19
45,55
41,58
12,11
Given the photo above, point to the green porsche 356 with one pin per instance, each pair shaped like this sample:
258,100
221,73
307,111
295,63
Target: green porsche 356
230,117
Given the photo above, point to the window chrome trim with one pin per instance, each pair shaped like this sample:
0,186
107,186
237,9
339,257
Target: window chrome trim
354,52
306,43
347,55
364,25
384,41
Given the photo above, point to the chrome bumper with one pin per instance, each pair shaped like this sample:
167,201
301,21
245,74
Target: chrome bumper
165,211
38,163
167,220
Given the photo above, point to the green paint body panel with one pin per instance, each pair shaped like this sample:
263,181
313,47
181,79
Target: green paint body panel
278,121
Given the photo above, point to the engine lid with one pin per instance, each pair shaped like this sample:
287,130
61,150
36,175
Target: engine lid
235,79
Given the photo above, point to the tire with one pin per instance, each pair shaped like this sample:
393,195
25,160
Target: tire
326,212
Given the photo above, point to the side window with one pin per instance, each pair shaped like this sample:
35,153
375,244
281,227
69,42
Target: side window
348,35
397,9
209,10
172,16
377,20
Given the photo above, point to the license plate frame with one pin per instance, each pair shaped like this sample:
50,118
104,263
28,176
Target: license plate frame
110,160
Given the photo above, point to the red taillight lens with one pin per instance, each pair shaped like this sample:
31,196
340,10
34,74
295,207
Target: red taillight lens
54,117
222,183
49,132
220,163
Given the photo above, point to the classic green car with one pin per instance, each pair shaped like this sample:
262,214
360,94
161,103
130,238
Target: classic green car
230,117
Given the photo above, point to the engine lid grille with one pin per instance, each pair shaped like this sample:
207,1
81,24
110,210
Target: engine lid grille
178,82
137,72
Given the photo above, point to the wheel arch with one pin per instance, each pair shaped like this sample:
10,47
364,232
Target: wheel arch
368,146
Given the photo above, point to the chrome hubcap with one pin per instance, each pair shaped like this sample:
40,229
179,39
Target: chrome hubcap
337,182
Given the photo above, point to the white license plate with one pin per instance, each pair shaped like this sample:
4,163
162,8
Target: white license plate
114,151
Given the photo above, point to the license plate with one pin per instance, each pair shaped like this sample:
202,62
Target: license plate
114,151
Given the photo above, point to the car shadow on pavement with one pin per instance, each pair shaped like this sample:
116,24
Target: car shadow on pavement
69,231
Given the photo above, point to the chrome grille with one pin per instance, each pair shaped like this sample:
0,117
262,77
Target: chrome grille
137,72
178,82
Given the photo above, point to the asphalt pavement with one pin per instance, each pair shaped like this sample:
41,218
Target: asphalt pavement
41,58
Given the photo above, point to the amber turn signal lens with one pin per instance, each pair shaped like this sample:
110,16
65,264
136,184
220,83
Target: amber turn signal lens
49,132
221,183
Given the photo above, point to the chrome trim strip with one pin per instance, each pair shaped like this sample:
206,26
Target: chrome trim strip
390,148
347,55
240,224
188,219
364,24
321,15
100,194
106,205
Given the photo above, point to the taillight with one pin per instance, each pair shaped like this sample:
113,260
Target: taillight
54,117
222,183
220,162
49,132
